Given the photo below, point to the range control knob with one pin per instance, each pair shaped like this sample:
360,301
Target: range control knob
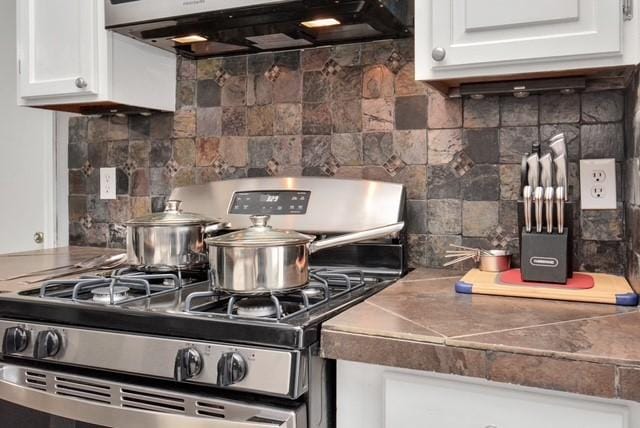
48,344
188,364
16,339
231,368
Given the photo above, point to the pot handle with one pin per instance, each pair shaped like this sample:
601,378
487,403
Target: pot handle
216,227
350,238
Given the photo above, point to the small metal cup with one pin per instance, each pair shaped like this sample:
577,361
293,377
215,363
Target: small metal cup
497,261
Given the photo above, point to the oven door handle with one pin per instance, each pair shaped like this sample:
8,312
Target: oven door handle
107,414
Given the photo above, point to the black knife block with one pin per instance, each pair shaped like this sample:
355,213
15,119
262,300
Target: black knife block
543,246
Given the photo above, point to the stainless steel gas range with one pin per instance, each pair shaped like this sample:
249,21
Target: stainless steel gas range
169,349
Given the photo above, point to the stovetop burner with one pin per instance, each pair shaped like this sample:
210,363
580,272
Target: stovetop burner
121,286
325,285
110,294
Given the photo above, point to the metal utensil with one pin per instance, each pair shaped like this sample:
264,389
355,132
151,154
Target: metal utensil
561,173
80,265
546,179
526,196
538,198
496,261
469,248
548,203
263,260
560,197
109,262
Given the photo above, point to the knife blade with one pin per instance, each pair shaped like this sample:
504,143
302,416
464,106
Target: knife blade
560,163
526,197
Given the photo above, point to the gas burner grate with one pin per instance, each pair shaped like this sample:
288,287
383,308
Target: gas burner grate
123,286
326,284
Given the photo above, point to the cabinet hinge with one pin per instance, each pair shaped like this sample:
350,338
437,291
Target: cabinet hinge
19,67
627,9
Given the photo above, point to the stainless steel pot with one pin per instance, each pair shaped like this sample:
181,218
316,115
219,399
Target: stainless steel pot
170,240
260,259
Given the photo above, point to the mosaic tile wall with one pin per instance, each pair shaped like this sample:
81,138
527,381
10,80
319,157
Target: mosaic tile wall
632,183
347,111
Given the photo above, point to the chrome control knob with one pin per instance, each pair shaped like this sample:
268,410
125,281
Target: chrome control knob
188,364
81,83
48,344
438,54
232,368
16,339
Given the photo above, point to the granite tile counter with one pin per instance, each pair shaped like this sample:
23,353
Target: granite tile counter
31,261
421,323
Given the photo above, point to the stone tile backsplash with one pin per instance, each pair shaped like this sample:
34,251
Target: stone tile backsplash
632,182
351,111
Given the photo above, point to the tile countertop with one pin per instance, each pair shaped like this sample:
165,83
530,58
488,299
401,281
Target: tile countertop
421,323
30,261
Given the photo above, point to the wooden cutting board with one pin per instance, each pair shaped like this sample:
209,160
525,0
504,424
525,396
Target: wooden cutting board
583,287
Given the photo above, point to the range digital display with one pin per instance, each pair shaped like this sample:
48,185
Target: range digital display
271,202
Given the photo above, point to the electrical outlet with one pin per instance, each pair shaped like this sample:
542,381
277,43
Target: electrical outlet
598,184
107,183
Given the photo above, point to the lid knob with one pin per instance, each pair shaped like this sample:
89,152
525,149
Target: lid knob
259,220
172,206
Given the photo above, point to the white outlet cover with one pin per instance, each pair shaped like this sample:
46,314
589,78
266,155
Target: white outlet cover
107,183
598,184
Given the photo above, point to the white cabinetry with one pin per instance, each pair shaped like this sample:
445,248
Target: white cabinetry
67,60
461,39
377,397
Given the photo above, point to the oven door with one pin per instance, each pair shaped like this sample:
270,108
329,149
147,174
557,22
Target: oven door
43,396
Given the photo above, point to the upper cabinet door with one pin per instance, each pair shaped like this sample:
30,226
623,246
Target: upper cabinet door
461,38
57,47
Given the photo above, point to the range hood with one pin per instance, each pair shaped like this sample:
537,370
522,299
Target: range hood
204,28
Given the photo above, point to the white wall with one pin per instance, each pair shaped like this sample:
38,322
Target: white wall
27,165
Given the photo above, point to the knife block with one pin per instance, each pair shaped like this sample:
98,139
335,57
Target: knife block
546,245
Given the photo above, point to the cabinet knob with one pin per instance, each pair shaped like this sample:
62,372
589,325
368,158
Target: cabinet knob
38,237
81,83
438,54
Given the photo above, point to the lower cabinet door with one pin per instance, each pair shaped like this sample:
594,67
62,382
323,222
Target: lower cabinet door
415,401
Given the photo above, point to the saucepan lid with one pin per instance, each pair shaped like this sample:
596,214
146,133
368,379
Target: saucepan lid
260,234
171,216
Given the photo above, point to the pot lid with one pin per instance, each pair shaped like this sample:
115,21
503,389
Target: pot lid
260,235
171,216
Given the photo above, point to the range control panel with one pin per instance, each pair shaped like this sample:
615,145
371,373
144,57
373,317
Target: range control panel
270,202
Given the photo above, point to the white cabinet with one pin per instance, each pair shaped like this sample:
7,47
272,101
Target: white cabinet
461,39
386,397
415,401
68,61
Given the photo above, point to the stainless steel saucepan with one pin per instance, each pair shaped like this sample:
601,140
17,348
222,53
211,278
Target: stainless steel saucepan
260,259
170,240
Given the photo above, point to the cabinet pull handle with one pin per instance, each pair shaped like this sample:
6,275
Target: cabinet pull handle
627,10
438,54
81,83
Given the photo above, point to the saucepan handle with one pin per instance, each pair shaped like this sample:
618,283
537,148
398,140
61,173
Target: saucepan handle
216,227
350,238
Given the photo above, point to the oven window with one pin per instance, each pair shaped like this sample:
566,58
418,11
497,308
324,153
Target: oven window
18,416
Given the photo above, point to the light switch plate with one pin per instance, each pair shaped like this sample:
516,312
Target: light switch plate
107,183
598,184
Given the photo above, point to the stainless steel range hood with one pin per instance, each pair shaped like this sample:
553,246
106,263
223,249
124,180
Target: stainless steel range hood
202,28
